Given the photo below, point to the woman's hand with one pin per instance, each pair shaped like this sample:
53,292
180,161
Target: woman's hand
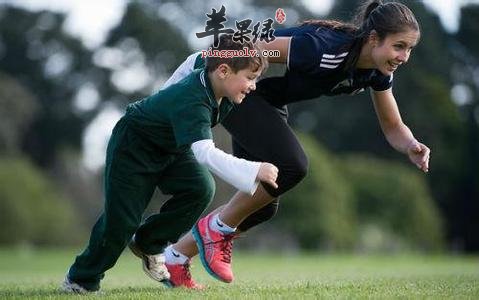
419,155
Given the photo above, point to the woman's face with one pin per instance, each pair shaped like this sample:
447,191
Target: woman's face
394,50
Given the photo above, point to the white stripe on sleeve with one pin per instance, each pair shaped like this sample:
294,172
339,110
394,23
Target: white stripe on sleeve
289,53
341,55
329,56
238,172
328,66
333,61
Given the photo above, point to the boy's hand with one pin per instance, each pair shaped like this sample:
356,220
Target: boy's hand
268,173
419,155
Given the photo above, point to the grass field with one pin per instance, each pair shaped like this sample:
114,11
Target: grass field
28,274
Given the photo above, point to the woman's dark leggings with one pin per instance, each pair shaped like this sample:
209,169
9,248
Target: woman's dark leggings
260,133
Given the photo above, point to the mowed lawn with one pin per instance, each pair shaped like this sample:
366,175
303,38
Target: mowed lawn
37,274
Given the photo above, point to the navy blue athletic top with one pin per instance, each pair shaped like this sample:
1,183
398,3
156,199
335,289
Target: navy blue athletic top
317,56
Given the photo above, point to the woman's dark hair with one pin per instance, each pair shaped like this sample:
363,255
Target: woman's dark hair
384,18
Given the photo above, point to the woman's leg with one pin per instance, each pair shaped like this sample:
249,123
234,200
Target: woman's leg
259,133
259,129
187,246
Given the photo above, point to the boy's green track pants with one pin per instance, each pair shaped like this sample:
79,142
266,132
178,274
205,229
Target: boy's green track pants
133,170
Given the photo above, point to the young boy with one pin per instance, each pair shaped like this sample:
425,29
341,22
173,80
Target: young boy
165,141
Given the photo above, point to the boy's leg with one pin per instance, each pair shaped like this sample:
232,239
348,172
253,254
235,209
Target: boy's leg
123,210
127,194
192,188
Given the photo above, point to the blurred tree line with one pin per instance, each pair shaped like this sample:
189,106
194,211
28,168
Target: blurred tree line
359,195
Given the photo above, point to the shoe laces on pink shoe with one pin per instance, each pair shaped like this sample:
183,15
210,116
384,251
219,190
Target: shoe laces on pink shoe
225,246
181,276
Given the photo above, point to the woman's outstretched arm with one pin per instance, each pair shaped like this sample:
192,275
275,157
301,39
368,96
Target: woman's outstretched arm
396,132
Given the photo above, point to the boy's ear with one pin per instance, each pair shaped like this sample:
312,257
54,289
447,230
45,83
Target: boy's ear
223,71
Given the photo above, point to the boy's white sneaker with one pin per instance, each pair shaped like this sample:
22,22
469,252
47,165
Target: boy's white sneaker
71,287
153,265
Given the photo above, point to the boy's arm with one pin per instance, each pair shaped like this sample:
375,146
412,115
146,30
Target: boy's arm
240,173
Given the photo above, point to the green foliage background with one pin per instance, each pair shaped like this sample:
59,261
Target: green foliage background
360,195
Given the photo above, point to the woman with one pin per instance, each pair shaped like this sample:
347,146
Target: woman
323,58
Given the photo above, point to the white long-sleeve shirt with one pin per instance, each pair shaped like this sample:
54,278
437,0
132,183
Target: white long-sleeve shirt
240,173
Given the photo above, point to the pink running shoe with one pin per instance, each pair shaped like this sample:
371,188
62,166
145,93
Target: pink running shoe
180,276
215,249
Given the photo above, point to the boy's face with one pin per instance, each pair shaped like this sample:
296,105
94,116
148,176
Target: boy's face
237,85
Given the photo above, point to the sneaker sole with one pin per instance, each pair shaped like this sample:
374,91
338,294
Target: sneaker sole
165,282
137,253
200,244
